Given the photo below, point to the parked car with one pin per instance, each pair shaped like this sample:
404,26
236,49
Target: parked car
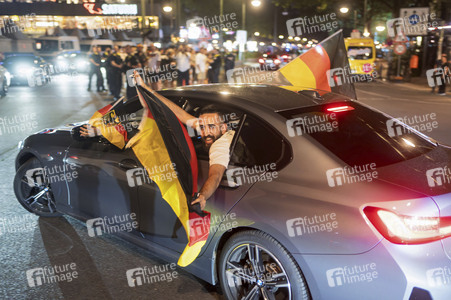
348,210
269,62
5,80
28,69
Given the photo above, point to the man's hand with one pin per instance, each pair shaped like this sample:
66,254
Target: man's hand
201,200
88,131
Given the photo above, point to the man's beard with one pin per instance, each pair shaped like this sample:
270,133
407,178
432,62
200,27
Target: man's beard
207,146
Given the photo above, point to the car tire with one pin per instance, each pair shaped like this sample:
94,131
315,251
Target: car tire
278,273
36,197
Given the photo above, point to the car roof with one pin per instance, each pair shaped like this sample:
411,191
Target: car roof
274,97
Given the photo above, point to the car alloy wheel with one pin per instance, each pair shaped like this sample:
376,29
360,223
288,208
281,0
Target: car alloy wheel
254,266
36,197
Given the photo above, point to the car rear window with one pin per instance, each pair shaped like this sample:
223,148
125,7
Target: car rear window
361,135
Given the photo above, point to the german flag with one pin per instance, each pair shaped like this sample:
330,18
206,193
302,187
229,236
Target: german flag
324,67
163,140
107,121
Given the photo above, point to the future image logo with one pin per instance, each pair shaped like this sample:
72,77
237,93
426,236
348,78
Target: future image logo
438,176
438,276
351,274
436,77
308,225
148,275
348,174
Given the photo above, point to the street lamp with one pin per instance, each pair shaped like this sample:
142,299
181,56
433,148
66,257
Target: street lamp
167,8
380,28
281,37
257,33
256,3
345,10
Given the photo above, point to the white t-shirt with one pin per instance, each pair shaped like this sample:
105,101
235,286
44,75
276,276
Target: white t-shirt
201,62
153,60
182,60
220,150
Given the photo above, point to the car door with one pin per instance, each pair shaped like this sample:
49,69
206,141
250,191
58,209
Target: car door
102,187
161,225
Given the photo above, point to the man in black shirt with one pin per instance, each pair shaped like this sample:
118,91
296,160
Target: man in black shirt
215,66
106,65
229,62
131,62
140,55
94,62
115,65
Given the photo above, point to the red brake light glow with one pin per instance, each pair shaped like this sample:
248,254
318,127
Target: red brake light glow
403,229
340,108
261,60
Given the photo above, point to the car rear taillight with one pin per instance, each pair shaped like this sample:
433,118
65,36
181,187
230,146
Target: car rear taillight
339,108
277,61
261,60
404,229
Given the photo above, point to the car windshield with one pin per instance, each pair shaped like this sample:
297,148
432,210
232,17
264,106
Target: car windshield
359,135
363,53
22,59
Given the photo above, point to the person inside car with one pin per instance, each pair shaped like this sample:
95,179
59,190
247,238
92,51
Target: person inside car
216,139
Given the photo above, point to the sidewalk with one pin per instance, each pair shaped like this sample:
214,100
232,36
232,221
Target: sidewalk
418,84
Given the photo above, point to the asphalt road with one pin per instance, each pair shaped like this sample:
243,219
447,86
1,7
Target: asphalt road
101,262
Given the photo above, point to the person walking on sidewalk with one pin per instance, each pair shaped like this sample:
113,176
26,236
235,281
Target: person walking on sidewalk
444,65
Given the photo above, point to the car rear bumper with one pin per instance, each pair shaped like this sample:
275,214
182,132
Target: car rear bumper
388,271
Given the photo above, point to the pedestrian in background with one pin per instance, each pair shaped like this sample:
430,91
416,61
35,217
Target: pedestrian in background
168,66
229,62
182,59
115,63
94,64
201,66
107,66
140,55
131,62
192,61
445,69
215,66
153,65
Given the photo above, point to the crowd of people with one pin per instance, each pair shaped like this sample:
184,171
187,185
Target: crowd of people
163,68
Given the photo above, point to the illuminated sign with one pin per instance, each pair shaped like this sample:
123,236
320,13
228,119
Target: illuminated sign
112,9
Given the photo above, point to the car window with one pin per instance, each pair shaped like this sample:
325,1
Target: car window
361,135
258,143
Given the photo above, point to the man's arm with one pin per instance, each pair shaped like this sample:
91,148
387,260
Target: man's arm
215,173
182,115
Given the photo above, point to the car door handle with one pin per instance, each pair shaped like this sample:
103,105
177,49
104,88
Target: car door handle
128,164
